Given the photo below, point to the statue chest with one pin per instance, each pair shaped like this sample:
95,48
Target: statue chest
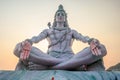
59,35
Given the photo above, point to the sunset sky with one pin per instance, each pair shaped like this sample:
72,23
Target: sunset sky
22,19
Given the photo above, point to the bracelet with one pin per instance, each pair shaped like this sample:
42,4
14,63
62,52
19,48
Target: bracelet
89,41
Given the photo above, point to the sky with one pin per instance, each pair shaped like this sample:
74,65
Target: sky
22,19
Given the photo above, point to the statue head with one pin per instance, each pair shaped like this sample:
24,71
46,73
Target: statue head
60,16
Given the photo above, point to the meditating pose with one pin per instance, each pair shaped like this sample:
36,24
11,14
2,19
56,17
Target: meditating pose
60,55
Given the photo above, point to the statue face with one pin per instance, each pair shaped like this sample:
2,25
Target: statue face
60,16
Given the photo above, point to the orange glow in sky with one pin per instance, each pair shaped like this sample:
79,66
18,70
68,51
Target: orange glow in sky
22,19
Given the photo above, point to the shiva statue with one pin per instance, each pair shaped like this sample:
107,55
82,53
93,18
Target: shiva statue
60,55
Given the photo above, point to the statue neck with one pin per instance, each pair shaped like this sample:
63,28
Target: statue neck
60,24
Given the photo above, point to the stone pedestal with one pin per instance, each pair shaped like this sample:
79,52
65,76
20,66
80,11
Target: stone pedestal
59,75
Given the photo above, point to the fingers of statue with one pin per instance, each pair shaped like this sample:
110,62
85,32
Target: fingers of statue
96,51
93,51
26,47
24,55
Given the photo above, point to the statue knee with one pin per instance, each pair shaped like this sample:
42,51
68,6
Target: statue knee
103,49
21,66
17,50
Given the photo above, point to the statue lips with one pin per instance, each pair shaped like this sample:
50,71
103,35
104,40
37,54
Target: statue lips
60,18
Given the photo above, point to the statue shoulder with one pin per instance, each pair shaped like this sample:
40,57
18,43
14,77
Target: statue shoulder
73,31
47,31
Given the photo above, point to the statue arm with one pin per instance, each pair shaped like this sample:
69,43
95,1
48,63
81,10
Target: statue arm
94,43
22,49
79,36
41,36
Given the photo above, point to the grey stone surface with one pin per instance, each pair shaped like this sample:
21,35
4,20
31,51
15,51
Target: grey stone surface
59,75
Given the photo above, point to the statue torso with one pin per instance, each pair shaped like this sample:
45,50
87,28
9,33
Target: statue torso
60,40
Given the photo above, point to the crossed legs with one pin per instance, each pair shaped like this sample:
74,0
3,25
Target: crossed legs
38,57
81,58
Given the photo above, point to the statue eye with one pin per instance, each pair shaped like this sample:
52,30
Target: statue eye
58,14
62,14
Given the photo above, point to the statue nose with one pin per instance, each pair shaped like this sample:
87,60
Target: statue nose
60,15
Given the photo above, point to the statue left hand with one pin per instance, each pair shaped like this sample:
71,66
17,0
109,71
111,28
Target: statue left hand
94,46
26,47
